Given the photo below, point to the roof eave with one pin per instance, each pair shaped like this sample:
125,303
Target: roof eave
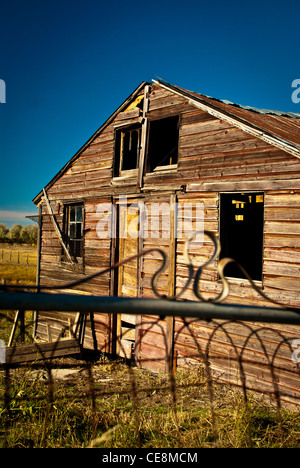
238,122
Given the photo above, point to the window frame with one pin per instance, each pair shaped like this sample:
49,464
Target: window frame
163,167
70,238
237,221
120,133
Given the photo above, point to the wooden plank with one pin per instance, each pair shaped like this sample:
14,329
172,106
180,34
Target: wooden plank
289,228
128,333
39,351
57,230
19,316
244,185
282,199
142,154
129,318
172,282
125,348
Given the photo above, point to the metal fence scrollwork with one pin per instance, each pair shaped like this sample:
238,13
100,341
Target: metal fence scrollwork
224,362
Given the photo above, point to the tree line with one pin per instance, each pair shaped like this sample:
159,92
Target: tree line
19,234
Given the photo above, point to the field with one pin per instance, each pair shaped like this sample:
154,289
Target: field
18,263
108,403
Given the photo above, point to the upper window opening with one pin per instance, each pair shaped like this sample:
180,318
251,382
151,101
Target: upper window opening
73,230
241,232
128,143
163,143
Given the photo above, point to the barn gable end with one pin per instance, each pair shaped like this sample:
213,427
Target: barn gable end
213,150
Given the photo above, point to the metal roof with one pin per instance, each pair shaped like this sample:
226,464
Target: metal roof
282,125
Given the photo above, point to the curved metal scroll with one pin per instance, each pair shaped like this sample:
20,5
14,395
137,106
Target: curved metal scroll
192,273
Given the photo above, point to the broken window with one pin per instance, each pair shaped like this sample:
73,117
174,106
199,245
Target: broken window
241,232
162,143
73,229
128,142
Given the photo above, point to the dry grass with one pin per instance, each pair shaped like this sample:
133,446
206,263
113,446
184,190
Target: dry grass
17,266
108,404
18,263
112,405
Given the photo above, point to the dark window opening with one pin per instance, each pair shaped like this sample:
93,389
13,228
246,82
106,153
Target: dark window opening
162,143
73,230
128,143
241,232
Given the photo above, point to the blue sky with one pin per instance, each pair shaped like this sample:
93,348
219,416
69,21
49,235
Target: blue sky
68,65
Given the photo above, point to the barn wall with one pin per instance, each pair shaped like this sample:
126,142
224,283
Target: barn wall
214,157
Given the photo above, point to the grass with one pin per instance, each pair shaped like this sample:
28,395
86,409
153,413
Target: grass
18,263
65,415
17,266
109,404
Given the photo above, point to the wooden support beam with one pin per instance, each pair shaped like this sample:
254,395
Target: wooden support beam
19,317
143,137
172,282
56,228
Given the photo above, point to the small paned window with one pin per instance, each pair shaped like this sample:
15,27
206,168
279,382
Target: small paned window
128,142
73,230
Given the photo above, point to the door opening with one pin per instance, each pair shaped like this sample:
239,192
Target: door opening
128,275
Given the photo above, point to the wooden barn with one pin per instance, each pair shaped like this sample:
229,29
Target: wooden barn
169,162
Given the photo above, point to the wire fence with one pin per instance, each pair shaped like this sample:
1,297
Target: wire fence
247,396
17,257
228,378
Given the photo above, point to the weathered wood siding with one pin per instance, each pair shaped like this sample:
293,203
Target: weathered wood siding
214,157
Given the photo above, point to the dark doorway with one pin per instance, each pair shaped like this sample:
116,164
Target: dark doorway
241,232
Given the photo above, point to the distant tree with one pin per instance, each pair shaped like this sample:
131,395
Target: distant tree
3,232
28,234
15,233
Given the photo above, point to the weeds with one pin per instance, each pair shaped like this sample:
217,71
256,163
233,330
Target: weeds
39,409
64,414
